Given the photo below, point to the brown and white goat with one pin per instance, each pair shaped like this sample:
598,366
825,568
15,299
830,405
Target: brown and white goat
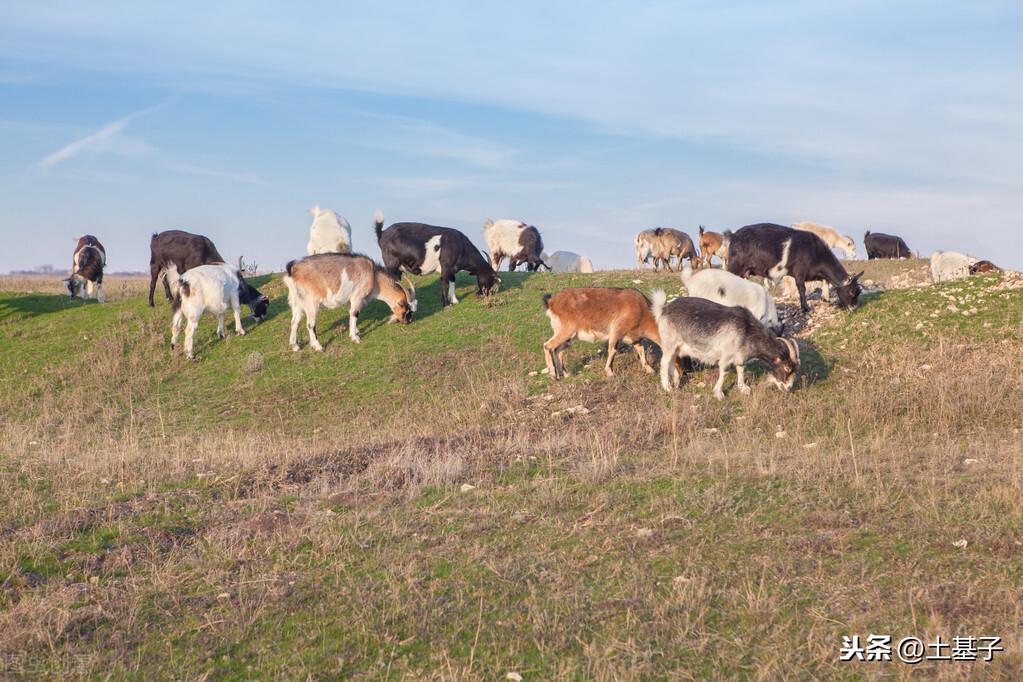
712,244
334,279
598,314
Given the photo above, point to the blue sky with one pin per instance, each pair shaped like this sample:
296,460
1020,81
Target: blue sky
590,120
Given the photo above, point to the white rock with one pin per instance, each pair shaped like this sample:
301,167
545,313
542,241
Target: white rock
969,460
961,544
514,676
466,487
644,532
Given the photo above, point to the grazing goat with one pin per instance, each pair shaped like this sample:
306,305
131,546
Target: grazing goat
774,251
661,244
334,279
87,265
183,250
880,245
566,261
210,288
421,249
596,314
513,239
329,233
949,265
712,244
725,288
715,334
830,236
983,266
644,247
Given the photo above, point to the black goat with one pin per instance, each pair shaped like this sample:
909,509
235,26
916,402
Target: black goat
881,245
774,251
422,249
182,249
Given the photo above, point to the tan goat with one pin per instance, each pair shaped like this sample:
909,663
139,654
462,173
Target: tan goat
712,244
596,314
334,279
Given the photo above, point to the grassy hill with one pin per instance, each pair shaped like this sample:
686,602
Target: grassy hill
426,502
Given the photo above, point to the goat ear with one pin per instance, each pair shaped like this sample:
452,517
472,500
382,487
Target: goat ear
857,276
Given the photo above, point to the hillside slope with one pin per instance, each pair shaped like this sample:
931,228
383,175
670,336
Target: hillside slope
428,502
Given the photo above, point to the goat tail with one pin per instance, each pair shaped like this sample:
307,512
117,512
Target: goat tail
546,298
687,273
702,230
657,299
288,267
181,290
378,223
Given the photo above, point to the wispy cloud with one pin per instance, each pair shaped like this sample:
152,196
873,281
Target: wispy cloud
192,169
106,139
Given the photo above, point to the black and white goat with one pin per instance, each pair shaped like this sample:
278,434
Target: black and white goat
87,269
183,250
774,251
212,288
519,242
421,249
714,334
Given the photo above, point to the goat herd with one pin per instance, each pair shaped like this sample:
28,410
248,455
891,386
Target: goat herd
726,320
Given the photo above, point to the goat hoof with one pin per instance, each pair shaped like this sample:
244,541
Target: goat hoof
318,348
241,332
356,339
719,395
745,390
294,347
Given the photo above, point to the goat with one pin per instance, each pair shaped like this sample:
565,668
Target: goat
210,288
329,233
712,244
334,279
774,251
516,241
566,261
949,265
183,250
644,247
879,245
421,249
720,335
727,289
596,314
87,265
983,266
664,243
830,236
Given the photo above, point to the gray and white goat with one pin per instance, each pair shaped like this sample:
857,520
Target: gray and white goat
720,335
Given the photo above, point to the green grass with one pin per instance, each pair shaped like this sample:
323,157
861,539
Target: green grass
410,507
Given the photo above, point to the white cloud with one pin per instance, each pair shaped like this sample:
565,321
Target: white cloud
107,139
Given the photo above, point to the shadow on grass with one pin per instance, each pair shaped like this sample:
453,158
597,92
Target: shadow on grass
33,305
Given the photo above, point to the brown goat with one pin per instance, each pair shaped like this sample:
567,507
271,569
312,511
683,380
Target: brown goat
712,244
596,314
335,279
983,266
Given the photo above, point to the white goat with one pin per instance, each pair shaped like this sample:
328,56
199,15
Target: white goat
566,261
725,288
329,233
210,288
830,236
949,265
